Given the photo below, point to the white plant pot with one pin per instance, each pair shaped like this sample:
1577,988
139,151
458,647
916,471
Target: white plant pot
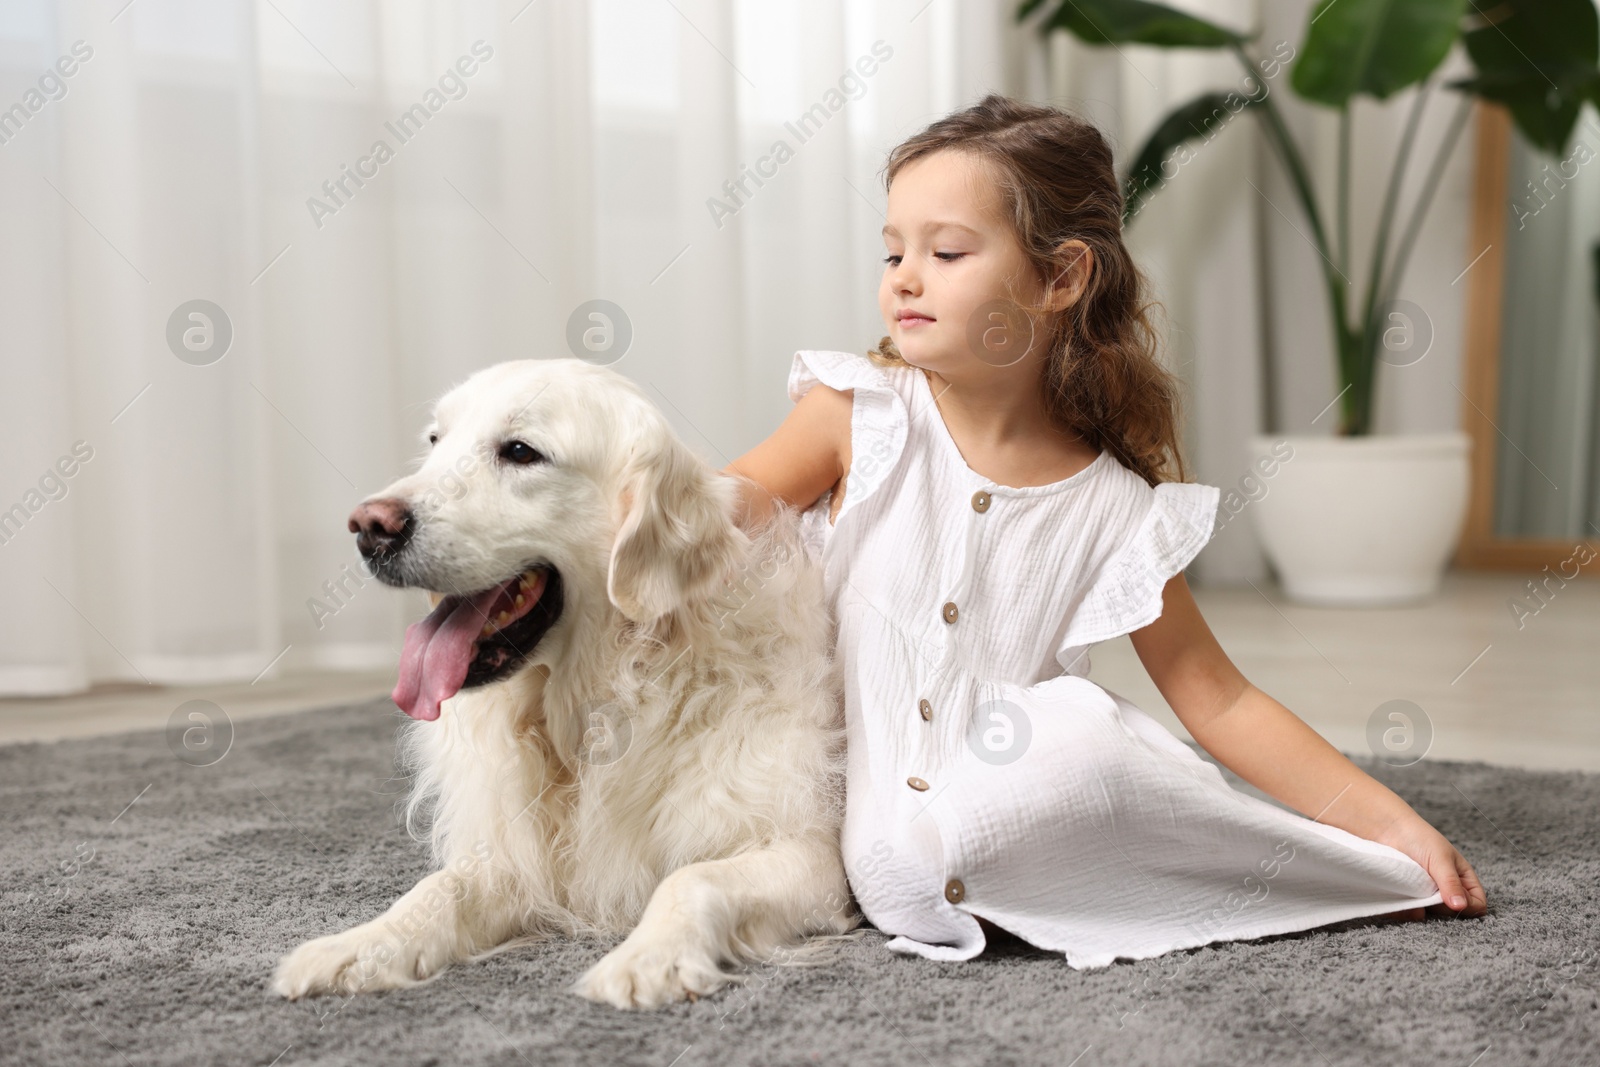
1360,521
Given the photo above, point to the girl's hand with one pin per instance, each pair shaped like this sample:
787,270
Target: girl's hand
1447,867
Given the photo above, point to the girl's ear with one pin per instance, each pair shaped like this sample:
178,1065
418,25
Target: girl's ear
1072,279
678,539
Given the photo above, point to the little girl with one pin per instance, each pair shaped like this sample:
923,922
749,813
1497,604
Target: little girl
993,489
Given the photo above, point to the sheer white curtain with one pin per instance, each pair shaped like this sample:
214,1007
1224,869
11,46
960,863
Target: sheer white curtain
535,156
227,151
1547,474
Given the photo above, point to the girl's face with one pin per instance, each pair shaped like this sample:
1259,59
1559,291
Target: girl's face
953,269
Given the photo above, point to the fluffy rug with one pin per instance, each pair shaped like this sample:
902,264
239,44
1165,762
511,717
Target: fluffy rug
146,901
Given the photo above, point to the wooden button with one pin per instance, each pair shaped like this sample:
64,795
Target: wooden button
950,611
980,501
916,783
954,891
926,709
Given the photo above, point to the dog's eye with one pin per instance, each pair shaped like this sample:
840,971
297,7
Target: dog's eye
520,453
433,438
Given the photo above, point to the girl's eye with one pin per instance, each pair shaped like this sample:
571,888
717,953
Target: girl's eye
521,453
948,257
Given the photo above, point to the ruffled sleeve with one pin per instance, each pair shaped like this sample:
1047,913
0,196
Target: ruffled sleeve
878,416
1126,594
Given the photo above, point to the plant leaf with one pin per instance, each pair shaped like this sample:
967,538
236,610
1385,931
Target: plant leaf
1201,117
1134,22
1537,57
1376,47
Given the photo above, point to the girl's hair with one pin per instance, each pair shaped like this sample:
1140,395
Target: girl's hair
1102,377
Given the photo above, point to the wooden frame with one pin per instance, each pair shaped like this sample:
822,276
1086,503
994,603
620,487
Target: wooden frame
1480,548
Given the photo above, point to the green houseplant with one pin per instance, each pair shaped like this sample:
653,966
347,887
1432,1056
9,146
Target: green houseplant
1360,518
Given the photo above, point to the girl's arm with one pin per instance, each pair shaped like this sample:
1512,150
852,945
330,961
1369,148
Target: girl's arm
1270,747
805,456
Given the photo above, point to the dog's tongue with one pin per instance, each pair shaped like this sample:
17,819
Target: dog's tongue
438,651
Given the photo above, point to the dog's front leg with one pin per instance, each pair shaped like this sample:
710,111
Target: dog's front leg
445,918
749,906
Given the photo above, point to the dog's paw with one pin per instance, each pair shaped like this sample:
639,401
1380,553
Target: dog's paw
348,963
642,973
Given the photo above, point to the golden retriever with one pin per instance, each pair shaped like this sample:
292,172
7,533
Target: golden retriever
625,717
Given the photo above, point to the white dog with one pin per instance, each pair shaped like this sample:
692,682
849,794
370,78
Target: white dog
627,715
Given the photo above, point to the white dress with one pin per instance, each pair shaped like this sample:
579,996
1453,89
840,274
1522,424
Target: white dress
986,774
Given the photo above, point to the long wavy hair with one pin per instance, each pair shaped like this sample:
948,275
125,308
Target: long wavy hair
1103,378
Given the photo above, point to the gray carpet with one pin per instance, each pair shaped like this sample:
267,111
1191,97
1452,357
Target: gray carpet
146,935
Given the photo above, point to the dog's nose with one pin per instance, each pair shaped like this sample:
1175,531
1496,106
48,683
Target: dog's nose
381,526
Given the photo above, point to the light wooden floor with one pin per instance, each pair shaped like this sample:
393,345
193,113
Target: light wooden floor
1492,691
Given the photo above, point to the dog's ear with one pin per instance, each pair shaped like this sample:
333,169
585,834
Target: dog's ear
678,538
